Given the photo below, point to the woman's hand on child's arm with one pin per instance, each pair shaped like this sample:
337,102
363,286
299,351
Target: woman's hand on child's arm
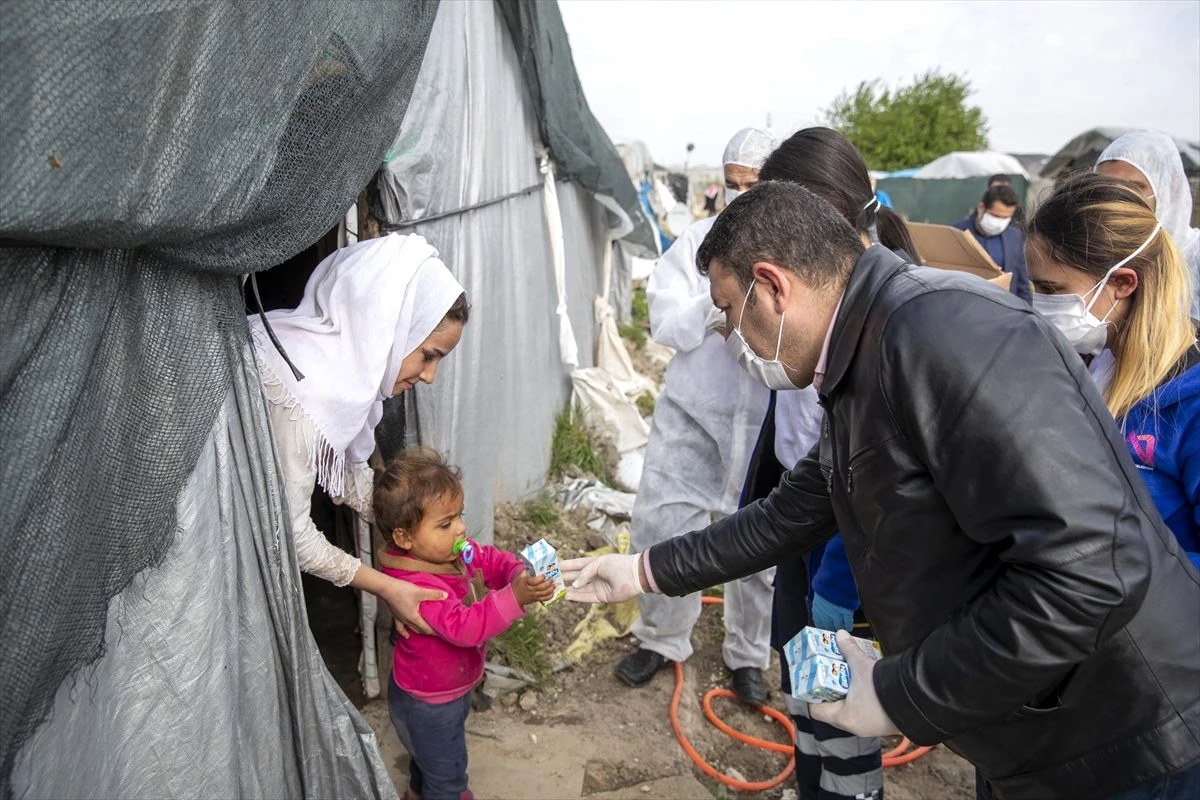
528,589
403,598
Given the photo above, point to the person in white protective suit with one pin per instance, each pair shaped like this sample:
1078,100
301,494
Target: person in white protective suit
704,428
1150,160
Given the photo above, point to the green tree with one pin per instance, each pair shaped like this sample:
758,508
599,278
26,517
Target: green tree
912,125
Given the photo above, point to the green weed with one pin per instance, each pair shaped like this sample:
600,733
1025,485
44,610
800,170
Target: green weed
523,647
541,512
634,334
645,404
640,305
572,447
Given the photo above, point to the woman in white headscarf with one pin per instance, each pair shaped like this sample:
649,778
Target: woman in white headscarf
377,317
1150,161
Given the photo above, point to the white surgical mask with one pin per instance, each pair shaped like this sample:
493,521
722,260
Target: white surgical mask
991,225
1072,313
731,195
769,373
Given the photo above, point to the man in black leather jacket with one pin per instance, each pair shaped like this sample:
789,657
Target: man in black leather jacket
1036,614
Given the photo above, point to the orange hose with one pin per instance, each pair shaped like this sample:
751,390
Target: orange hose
896,756
892,758
710,770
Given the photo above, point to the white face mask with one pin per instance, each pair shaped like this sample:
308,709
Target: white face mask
769,373
731,195
991,225
1072,313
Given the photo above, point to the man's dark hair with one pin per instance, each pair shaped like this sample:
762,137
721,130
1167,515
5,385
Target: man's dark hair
999,179
786,225
1000,194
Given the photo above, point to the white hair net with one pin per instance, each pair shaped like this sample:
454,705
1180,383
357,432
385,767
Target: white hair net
1156,156
750,147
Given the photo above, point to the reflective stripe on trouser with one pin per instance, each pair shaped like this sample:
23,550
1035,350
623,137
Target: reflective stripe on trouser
832,764
682,489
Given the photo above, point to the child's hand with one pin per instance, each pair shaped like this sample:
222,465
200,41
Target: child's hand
528,589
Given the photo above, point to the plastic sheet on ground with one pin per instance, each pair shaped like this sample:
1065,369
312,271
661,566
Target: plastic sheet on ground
595,496
606,407
604,621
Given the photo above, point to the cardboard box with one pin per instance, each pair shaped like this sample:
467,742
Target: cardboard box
949,248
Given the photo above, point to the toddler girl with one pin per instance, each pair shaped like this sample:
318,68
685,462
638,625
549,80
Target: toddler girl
419,505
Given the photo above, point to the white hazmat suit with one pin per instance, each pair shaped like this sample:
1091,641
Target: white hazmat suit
705,424
1156,156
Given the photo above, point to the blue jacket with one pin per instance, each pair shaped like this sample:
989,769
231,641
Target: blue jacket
1163,434
832,578
1013,242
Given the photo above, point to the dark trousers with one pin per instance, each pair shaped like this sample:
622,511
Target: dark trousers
1182,785
435,735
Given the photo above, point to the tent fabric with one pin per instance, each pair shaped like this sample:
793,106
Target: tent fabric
971,165
1082,152
940,200
582,150
472,133
154,151
211,684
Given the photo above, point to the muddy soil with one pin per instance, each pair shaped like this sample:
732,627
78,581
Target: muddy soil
585,735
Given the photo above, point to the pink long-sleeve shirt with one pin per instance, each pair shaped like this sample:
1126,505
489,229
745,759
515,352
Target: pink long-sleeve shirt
444,666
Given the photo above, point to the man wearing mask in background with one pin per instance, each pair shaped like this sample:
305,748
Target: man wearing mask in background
704,427
1035,612
992,225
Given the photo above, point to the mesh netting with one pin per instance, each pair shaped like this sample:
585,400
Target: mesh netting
152,151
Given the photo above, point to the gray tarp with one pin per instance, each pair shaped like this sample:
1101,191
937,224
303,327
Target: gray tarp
582,150
152,151
211,685
471,135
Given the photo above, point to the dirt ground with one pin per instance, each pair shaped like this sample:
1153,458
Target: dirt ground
585,735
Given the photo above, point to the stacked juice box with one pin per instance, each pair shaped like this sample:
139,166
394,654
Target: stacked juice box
541,559
817,667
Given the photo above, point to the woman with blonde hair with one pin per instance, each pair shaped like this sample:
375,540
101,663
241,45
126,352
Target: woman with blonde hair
1111,279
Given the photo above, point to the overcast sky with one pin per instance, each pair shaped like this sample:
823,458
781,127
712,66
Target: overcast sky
682,71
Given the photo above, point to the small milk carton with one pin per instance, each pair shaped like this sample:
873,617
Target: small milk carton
810,655
816,642
541,559
821,680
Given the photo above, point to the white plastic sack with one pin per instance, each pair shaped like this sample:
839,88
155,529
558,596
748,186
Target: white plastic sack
606,406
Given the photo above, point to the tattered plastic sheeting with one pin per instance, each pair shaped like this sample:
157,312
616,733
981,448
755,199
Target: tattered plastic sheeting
211,684
609,509
135,189
470,137
604,621
606,406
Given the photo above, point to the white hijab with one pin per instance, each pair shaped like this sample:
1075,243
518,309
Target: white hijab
365,308
1156,156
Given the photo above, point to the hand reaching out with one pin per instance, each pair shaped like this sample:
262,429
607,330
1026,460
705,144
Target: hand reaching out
528,589
603,579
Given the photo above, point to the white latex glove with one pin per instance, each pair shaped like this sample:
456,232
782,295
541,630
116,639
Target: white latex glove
602,579
715,321
860,713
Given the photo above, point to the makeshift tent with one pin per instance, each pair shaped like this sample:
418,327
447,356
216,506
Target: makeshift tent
1082,152
153,153
948,188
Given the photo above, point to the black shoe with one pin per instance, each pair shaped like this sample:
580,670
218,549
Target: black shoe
637,668
748,686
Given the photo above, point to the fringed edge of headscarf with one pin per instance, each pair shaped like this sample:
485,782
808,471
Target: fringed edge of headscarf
328,463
